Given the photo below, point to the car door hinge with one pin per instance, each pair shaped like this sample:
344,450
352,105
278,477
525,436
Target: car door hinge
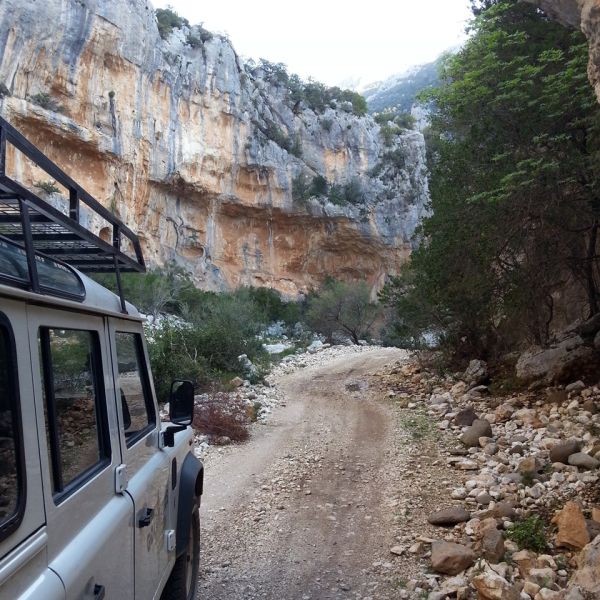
170,540
121,479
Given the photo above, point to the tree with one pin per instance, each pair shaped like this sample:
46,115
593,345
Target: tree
513,153
343,308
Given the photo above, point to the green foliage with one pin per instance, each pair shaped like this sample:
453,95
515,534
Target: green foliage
167,20
274,133
405,120
349,193
204,332
46,101
173,351
198,36
296,148
529,534
49,186
303,189
341,308
418,426
314,94
515,181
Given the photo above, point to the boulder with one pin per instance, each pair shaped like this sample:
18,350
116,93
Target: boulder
555,364
587,576
528,466
450,558
491,586
583,460
492,546
476,373
572,528
479,428
449,516
561,452
236,382
465,417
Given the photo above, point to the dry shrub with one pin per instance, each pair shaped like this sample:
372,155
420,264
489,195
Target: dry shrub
222,415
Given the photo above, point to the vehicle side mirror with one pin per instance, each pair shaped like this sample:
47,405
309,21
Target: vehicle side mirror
181,403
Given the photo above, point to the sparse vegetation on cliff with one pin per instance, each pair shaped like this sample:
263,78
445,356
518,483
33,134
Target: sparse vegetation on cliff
314,94
46,101
167,20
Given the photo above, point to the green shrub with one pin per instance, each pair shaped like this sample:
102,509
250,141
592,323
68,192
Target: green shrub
173,351
46,101
167,20
296,148
47,186
405,121
529,534
342,308
274,133
319,186
389,132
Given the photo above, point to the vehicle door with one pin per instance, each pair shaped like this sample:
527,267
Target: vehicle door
90,535
149,469
23,535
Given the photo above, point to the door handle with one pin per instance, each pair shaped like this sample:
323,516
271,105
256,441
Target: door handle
146,518
99,592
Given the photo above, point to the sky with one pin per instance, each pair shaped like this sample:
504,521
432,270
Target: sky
334,41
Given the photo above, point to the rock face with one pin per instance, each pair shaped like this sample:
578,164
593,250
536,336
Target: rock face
198,152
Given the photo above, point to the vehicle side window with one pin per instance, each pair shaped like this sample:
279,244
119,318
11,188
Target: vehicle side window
136,401
12,482
74,406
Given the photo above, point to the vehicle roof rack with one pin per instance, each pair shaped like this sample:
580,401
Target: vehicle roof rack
38,226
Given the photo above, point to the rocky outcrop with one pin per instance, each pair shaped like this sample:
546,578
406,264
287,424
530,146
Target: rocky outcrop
201,153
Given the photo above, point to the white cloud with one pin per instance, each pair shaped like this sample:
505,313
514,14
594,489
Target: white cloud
334,41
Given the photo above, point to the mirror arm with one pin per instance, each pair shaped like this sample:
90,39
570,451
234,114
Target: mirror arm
168,435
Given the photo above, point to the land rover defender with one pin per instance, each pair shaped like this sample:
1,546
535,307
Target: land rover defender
99,499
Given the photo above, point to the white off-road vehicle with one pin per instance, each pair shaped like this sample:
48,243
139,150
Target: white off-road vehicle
98,498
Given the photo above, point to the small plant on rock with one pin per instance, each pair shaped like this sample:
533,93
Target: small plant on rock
529,534
47,186
46,101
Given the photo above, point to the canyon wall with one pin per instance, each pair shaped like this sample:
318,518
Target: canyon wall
201,153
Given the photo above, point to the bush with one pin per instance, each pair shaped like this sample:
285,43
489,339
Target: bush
222,415
274,133
344,309
167,19
47,186
46,101
303,190
529,534
173,351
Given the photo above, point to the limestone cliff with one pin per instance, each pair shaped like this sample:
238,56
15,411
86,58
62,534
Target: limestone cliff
188,144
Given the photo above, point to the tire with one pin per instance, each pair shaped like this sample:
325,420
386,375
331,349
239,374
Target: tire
183,580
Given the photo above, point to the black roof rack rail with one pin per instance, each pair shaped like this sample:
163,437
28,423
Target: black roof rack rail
38,226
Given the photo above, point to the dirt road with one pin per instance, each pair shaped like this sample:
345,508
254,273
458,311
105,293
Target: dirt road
308,509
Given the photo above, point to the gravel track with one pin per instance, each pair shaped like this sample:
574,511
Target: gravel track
308,508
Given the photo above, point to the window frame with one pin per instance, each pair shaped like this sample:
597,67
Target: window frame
62,491
131,440
12,523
